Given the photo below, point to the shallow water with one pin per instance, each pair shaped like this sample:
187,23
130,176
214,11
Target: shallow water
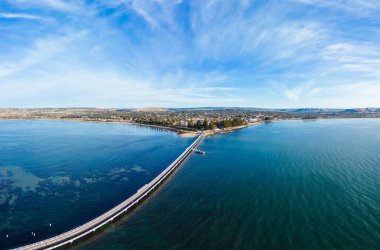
66,173
286,185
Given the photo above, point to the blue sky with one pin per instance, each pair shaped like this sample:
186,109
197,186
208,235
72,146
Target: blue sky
177,53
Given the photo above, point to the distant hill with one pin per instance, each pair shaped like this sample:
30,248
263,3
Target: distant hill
150,110
298,110
221,108
362,110
315,110
371,110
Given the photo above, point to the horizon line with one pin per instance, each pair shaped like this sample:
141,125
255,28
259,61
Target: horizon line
189,107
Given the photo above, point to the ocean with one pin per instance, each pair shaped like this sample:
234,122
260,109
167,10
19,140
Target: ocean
56,175
280,185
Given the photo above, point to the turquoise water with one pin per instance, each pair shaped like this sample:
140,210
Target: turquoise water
286,185
66,173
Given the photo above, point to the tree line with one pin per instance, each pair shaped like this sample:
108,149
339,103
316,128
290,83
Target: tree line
207,125
198,125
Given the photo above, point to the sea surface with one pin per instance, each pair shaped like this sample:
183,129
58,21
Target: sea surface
55,175
284,185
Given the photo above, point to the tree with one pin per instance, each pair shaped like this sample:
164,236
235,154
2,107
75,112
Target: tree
205,124
191,124
199,124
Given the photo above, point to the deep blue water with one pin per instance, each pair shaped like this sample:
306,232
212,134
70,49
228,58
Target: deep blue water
66,173
286,185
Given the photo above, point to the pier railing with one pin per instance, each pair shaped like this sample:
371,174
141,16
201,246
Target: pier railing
109,216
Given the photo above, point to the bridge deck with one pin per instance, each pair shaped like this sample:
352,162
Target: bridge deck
91,226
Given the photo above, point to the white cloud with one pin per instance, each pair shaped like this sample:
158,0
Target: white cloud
51,4
157,13
225,31
297,92
40,52
141,7
108,89
361,60
58,4
354,94
214,52
19,16
360,7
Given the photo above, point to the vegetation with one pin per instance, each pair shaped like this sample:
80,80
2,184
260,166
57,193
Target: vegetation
207,125
198,125
189,119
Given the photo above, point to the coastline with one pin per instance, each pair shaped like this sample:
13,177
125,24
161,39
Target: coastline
180,132
232,129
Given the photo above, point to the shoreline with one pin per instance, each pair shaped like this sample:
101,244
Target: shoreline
232,129
180,132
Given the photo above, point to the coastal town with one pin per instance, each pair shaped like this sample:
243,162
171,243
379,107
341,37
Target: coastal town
187,120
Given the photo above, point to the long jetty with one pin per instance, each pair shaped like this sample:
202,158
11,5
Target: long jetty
90,227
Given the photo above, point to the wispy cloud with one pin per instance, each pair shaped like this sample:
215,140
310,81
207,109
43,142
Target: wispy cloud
354,94
40,52
361,60
190,53
361,7
20,16
107,89
296,92
53,4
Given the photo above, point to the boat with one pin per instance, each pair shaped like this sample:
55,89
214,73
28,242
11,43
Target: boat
199,151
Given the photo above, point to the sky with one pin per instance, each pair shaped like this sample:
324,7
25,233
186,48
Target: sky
178,53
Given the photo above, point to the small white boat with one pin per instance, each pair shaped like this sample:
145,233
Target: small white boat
199,151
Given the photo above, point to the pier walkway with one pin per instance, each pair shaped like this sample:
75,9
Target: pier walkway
109,216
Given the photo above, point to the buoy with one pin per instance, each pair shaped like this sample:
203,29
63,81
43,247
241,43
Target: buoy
7,235
50,225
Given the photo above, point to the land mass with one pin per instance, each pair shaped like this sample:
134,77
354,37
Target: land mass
187,121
